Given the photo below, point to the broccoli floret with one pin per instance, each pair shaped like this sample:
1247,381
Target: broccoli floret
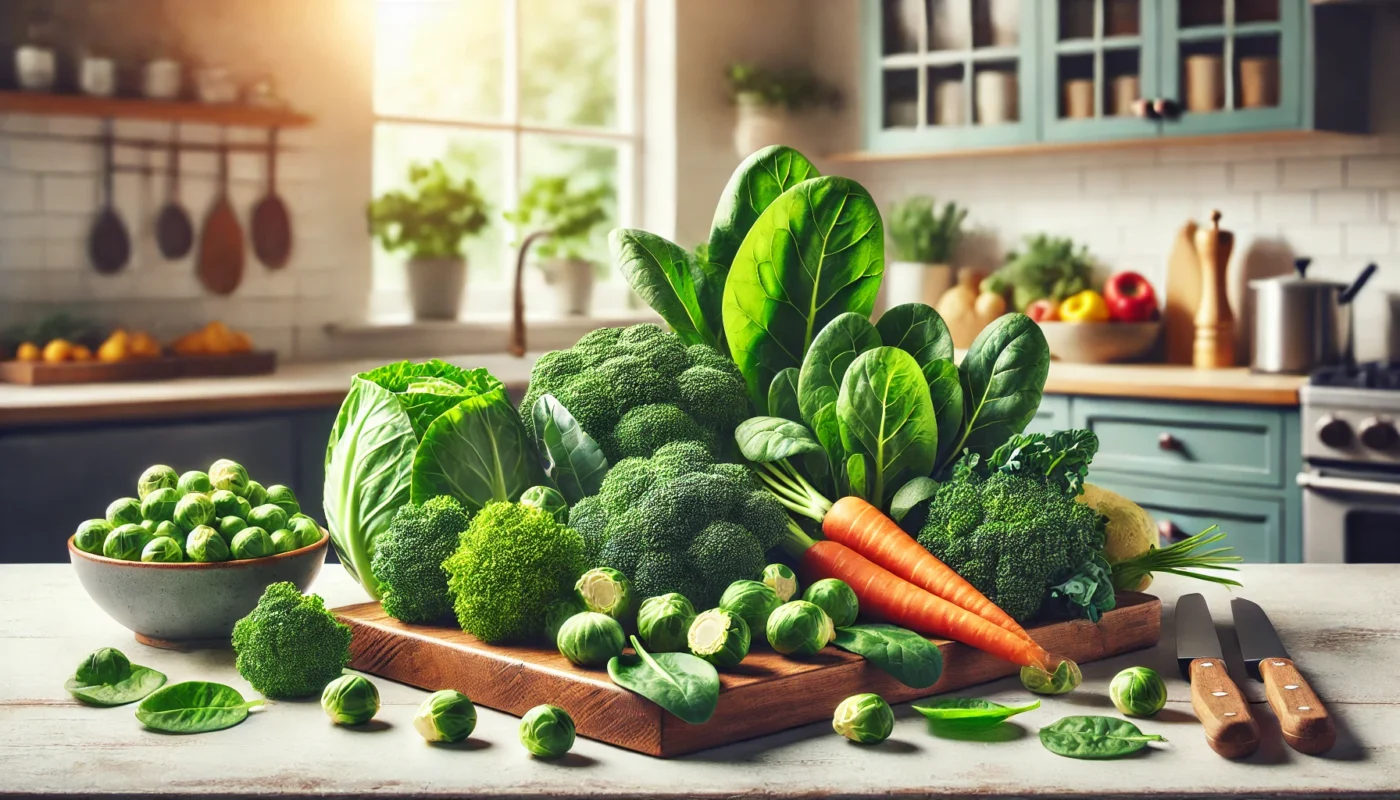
634,389
681,458
290,645
513,562
625,484
659,572
764,517
623,553
408,559
725,552
590,519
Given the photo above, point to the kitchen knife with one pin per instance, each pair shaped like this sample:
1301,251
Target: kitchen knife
1307,727
1218,702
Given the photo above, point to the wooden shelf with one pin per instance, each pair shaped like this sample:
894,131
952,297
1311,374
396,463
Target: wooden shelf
159,110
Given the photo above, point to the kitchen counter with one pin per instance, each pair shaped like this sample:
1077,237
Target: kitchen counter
50,746
1175,382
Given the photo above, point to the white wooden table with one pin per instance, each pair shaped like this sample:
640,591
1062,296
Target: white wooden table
1341,624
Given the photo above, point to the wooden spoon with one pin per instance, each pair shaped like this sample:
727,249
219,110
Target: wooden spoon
221,247
174,231
109,246
272,226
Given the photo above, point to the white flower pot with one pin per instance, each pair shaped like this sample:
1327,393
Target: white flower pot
759,126
915,282
572,279
435,286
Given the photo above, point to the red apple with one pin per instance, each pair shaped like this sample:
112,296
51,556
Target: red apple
1043,310
1129,297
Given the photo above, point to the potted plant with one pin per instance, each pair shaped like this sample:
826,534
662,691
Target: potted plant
570,217
768,101
924,239
430,220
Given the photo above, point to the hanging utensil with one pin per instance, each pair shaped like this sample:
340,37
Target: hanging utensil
174,230
272,226
221,246
109,246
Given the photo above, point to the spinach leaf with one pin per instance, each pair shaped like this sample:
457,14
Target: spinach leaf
576,462
670,279
194,707
782,395
916,491
908,657
945,389
1095,737
817,251
139,683
819,382
759,180
1003,376
917,330
477,452
885,414
970,712
681,683
766,439
857,479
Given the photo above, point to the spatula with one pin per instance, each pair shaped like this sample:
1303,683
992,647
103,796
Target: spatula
272,226
109,246
174,231
221,246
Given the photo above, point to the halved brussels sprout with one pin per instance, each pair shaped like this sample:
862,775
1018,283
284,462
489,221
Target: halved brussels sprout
306,529
284,541
103,666
664,622
753,601
1138,692
283,498
559,613
194,482
194,510
156,477
547,731
251,543
126,542
836,598
91,534
446,716
547,498
162,549
268,516
799,628
864,718
255,494
206,544
225,503
1064,677
350,700
590,639
124,511
229,476
782,579
159,505
605,591
720,637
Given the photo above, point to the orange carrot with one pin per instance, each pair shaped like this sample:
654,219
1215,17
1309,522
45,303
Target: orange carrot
866,530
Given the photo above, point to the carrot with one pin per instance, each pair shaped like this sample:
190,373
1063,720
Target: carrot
866,530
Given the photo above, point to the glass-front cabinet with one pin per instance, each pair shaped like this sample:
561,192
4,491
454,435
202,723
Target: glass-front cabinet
1100,70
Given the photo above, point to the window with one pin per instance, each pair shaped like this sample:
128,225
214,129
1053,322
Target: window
505,91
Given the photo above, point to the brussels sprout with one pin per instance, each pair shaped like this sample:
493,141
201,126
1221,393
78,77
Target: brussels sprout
229,476
605,591
1065,677
104,666
664,622
284,541
164,549
799,628
864,718
205,544
559,613
229,527
126,542
1138,692
547,498
753,601
169,529
124,511
720,637
255,494
91,534
149,525
244,508
225,503
547,731
446,716
306,529
590,639
156,477
194,510
782,579
350,700
836,598
159,505
194,482
251,543
268,516
282,497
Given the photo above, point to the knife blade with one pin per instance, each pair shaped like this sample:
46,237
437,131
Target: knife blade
1307,727
1230,729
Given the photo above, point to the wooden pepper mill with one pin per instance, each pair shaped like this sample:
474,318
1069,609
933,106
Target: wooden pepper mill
1215,325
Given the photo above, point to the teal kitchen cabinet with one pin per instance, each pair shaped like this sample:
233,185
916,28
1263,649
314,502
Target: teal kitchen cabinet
1254,526
1053,415
1098,58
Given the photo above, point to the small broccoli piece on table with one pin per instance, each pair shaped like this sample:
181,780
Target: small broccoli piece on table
290,645
408,559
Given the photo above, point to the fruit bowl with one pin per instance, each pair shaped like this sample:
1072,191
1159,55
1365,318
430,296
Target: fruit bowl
185,605
1100,342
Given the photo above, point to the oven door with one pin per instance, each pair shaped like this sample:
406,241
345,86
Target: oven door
1350,517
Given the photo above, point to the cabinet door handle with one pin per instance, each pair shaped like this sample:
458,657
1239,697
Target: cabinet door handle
1145,108
1166,109
1167,441
1170,530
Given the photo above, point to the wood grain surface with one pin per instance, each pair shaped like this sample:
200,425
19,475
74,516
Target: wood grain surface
1222,709
40,373
764,694
1306,725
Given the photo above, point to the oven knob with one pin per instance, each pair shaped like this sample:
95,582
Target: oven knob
1333,432
1378,434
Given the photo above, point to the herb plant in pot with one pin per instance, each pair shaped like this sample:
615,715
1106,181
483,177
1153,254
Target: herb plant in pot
571,217
924,238
429,221
768,103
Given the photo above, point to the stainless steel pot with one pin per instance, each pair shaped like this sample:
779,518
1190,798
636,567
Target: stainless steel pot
1301,323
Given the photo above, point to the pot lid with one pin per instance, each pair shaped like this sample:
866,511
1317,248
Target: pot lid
1299,280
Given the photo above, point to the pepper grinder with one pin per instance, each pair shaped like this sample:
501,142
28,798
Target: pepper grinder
1214,346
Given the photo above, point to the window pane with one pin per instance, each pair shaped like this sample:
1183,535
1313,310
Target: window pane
586,165
569,62
440,58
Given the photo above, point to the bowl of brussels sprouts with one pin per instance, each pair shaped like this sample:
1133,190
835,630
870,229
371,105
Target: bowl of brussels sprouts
191,553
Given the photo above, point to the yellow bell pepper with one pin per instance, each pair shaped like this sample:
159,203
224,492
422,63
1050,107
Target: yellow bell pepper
1087,306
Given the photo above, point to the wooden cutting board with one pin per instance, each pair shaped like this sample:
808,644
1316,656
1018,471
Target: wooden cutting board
764,694
1183,295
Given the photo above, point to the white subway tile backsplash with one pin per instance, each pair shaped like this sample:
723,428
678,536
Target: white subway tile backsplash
1369,239
51,155
68,194
18,255
1254,176
66,254
1312,173
1373,171
1346,206
19,192
1314,240
1284,208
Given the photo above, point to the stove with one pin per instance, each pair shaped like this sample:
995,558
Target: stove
1351,473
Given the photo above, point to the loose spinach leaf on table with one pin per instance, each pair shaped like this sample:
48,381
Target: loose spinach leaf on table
576,462
908,657
782,395
885,414
1095,737
478,452
681,683
1003,376
672,281
970,712
195,707
136,685
766,439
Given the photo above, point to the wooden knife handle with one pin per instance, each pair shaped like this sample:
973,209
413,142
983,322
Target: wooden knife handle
1222,709
1307,727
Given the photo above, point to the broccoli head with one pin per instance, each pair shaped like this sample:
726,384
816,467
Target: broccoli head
513,562
679,522
290,645
635,389
408,559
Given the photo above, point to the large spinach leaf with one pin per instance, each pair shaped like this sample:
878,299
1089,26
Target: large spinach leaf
1003,377
477,452
782,395
819,382
917,330
576,462
672,281
908,657
140,682
945,389
816,252
760,179
964,713
885,413
766,439
916,491
1095,737
194,707
681,683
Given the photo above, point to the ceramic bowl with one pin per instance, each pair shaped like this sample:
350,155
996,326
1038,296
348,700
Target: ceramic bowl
1100,342
189,604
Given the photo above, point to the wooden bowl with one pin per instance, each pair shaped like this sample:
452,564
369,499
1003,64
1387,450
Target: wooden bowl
189,604
1100,342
